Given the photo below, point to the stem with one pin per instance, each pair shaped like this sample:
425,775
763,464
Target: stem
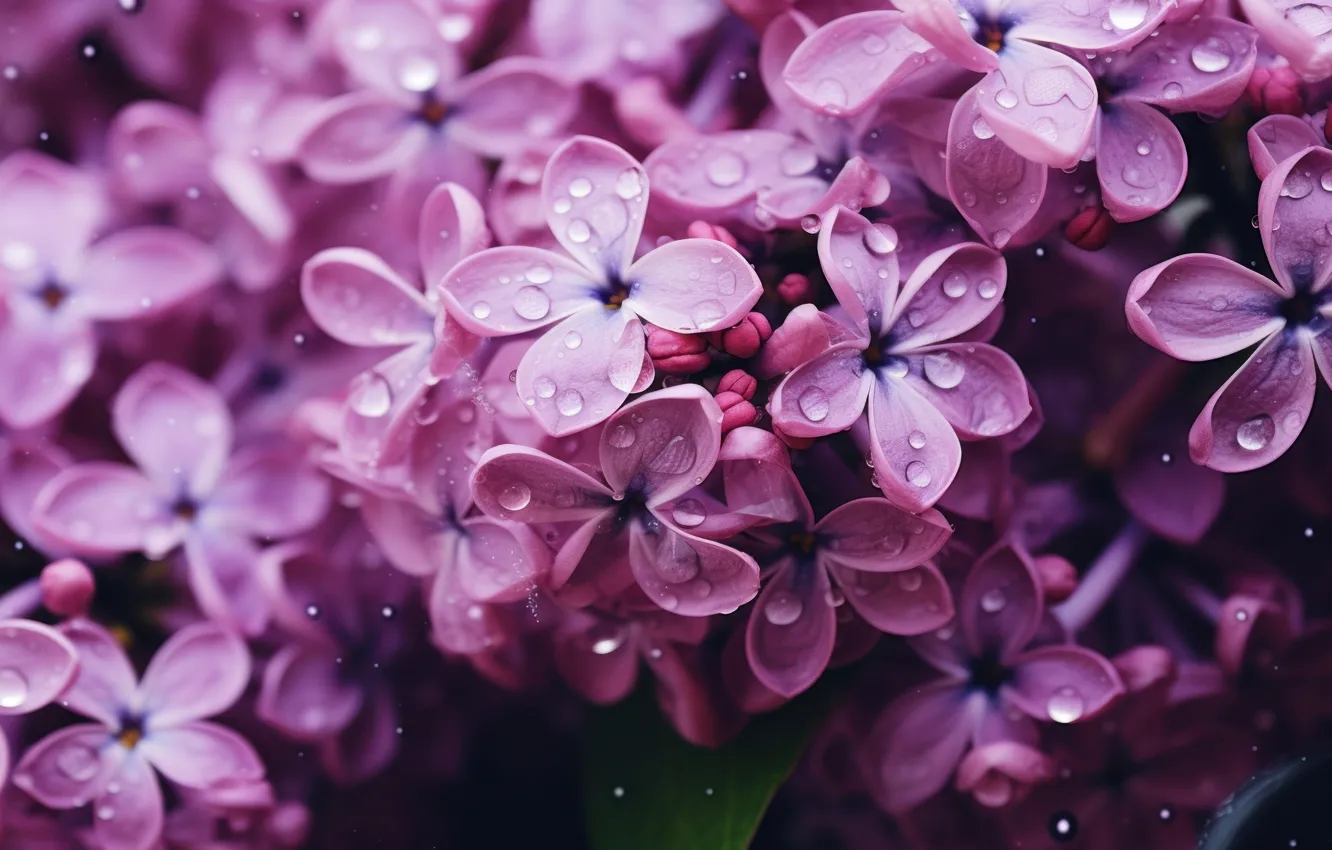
22,600
1201,599
1102,578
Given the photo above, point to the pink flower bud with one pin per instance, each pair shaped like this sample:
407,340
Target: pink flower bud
737,411
795,289
703,230
746,338
1090,229
1058,577
677,353
740,382
1276,90
67,587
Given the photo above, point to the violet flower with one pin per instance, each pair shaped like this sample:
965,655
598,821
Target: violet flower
154,724
583,369
39,665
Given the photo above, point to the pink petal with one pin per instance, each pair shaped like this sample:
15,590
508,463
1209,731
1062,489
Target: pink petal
158,150
917,742
1092,25
600,663
384,405
369,744
1065,684
692,699
595,197
453,226
945,650
804,333
223,579
1295,31
39,663
1293,212
1182,85
995,188
915,451
1279,137
860,262
989,772
1201,307
406,534
759,482
779,42
100,509
663,444
500,561
251,189
692,285
270,492
58,353
905,602
1140,160
877,536
176,428
525,485
790,634
511,102
69,767
1053,103
202,754
1257,414
360,136
303,695
582,370
592,563
825,395
940,22
105,686
1001,603
848,63
951,292
514,289
200,671
978,388
49,206
356,298
688,575
1178,499
457,623
130,819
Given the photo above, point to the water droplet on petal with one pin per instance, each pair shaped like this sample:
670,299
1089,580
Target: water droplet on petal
544,386
726,283
570,402
1256,433
629,184
783,609
706,314
1211,56
540,273
532,303
810,224
1065,706
993,601
918,474
815,404
689,513
371,396
622,436
726,169
1144,148
955,285
987,288
1298,185
481,309
562,205
515,497
944,370
880,239
831,95
418,73
1063,826
580,187
1007,98
916,440
578,231
572,340
1128,14
873,44
798,160
13,688
1173,91
981,129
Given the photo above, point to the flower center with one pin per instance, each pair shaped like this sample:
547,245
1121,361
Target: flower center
989,673
1300,309
131,733
185,508
52,294
615,294
803,542
433,111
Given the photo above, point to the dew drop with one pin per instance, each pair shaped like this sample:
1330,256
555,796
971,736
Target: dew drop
798,160
689,513
944,370
783,609
570,402
1326,180
814,403
13,688
726,169
916,440
580,187
873,44
1211,57
572,340
515,497
1007,98
1298,185
896,367
418,73
1173,91
622,436
540,273
831,95
880,239
981,129
918,474
1128,14
544,386
562,205
993,601
578,231
1256,433
810,224
481,309
706,314
987,288
955,285
1144,148
726,283
1065,705
532,303
371,397
629,184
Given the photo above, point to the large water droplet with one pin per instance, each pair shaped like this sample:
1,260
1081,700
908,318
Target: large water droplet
629,184
987,288
481,310
79,762
515,497
1211,56
689,513
13,688
1298,185
1128,14
993,601
831,95
706,314
371,396
1256,433
880,239
544,386
811,223
726,283
944,370
578,231
562,205
540,273
726,169
1065,705
916,440
981,129
918,474
622,436
418,73
580,187
532,303
955,285
605,639
570,402
1007,98
783,608
815,404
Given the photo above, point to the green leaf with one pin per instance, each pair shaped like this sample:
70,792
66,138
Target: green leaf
645,788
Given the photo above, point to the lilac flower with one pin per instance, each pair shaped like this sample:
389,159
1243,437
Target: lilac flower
55,284
39,665
634,527
188,490
996,683
1279,137
868,552
1201,307
158,723
356,298
922,392
598,655
1296,31
582,370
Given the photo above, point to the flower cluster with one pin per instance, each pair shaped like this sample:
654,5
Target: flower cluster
373,364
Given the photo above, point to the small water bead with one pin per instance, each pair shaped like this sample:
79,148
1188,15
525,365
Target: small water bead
987,288
944,370
579,231
916,318
572,340
831,95
629,184
1210,57
481,310
815,404
1063,826
540,273
880,239
1256,433
622,436
570,403
13,688
544,386
955,285
873,44
1144,148
312,611
810,224
993,601
726,282
689,513
532,303
798,160
515,497
418,73
726,169
981,129
1007,98
580,187
1065,706
372,397
783,609
1298,185
918,474
562,205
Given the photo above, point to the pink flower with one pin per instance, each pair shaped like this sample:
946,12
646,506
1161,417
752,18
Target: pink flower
1299,37
1201,307
922,391
634,527
39,664
188,490
154,724
583,369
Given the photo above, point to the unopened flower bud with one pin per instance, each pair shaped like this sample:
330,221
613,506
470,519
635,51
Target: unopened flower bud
740,382
737,411
67,587
676,353
703,230
1276,90
795,289
1058,577
746,338
1090,229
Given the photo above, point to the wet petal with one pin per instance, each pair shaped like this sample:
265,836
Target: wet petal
130,819
58,356
1202,66
1140,160
917,742
360,136
453,226
1086,24
303,696
510,103
600,662
1001,603
525,485
1279,137
199,672
356,298
978,388
942,24
595,197
759,482
688,575
269,492
691,285
142,270
949,293
514,289
48,206
860,261
825,395
915,451
38,664
106,684
70,767
1041,103
663,444
849,62
176,428
906,602
1200,307
790,634
995,189
394,46
1294,207
1257,414
1065,684
100,508
224,579
157,150
500,561
877,536
201,754
1295,30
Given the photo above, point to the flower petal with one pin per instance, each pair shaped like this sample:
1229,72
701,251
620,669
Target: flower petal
688,575
662,444
269,491
915,451
984,175
69,767
1065,684
369,744
790,634
692,285
380,41
514,289
356,298
1001,603
1201,307
949,293
525,485
906,602
199,672
977,387
1041,103
595,195
58,354
1279,137
99,509
940,22
860,261
849,62
877,536
511,102
130,819
49,206
39,663
1295,30
825,395
1294,207
600,662
141,271
500,561
358,137
105,686
1140,160
157,150
1088,25
760,485
917,742
453,226
1257,414
1167,76
202,754
303,695
176,428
